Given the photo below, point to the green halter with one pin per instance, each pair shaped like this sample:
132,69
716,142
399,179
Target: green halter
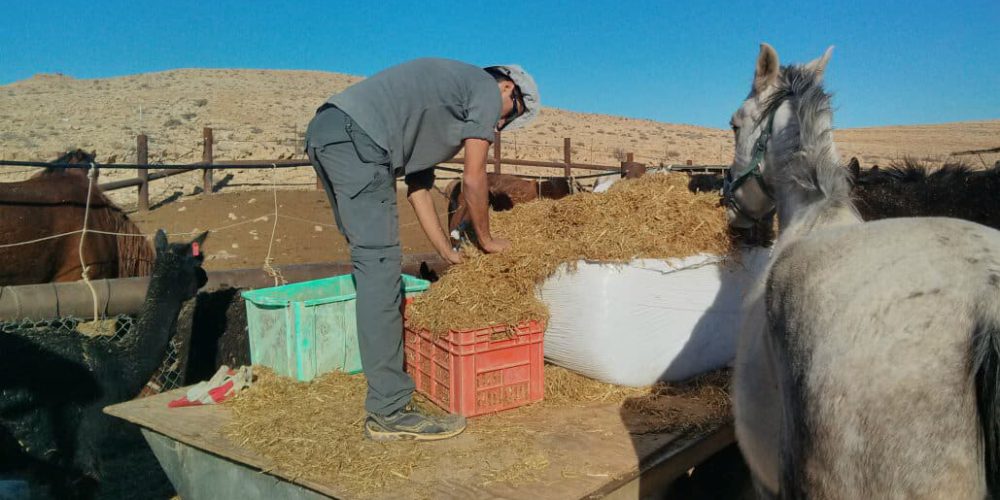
759,149
731,185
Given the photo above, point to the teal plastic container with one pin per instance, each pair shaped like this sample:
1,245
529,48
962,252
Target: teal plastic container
306,329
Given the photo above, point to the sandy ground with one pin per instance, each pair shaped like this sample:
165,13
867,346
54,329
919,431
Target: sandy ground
242,224
262,115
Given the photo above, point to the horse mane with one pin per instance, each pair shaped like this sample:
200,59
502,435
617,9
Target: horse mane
69,157
910,170
135,253
813,165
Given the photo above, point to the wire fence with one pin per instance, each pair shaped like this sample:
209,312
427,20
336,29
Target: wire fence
115,333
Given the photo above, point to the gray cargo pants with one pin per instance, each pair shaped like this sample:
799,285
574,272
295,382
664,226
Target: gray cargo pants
361,187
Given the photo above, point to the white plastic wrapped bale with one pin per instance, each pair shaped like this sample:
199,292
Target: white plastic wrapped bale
650,320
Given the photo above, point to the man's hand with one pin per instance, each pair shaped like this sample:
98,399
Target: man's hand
494,245
452,257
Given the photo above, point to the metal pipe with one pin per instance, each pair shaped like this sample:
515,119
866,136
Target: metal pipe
126,295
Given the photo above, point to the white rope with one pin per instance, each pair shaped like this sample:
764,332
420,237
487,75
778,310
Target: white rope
274,273
85,269
136,235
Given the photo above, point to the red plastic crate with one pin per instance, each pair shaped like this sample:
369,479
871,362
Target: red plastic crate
466,373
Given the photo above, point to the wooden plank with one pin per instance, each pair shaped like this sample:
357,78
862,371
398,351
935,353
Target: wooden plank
660,470
589,450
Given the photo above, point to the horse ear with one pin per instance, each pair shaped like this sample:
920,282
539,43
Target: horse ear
197,243
160,241
854,166
767,68
819,65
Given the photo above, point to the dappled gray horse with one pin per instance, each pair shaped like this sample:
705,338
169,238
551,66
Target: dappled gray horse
869,354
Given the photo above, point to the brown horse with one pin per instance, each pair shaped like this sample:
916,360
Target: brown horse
505,191
53,202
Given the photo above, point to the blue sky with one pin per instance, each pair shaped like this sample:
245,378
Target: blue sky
895,62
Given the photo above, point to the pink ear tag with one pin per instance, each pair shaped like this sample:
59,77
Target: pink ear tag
195,248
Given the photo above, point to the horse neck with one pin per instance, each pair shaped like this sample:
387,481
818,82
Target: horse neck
811,189
817,195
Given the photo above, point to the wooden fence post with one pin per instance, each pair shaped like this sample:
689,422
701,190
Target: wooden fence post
206,158
496,151
142,158
567,157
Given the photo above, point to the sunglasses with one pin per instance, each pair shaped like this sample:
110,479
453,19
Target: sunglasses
518,108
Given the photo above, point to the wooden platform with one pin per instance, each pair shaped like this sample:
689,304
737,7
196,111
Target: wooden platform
591,454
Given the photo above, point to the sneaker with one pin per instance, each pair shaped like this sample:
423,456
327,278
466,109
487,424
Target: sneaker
412,424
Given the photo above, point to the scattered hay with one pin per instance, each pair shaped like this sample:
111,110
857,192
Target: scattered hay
314,430
680,407
98,328
651,217
564,387
693,405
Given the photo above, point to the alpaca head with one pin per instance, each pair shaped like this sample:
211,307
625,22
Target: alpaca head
177,272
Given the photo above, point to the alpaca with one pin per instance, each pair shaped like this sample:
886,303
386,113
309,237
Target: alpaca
55,384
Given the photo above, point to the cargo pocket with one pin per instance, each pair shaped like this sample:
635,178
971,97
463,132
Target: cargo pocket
368,151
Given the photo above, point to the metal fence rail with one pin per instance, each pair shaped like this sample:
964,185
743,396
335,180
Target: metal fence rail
113,330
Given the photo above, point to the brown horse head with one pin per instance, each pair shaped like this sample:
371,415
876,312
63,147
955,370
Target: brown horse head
77,157
633,170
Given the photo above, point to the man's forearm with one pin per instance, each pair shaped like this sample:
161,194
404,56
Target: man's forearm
475,189
423,207
477,203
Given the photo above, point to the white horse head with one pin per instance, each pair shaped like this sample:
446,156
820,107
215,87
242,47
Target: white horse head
785,118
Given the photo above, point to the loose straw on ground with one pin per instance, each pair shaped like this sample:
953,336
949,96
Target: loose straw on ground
314,430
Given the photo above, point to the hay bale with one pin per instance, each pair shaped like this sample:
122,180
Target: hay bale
651,217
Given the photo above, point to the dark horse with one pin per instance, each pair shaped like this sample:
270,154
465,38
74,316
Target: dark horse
505,191
906,189
53,202
911,189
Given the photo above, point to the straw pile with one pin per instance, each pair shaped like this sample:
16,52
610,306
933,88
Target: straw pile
314,430
654,216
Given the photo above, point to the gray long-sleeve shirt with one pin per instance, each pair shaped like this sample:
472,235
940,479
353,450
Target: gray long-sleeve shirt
421,111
